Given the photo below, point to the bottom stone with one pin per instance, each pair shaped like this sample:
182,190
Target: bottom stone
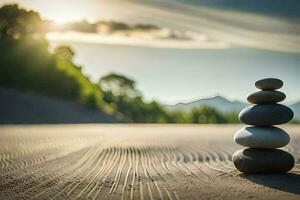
252,161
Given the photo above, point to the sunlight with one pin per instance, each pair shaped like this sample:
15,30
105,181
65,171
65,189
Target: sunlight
62,18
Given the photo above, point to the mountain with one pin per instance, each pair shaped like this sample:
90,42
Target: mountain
296,109
218,102
223,105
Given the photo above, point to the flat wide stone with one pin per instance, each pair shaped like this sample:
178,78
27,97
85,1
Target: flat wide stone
269,84
251,161
266,96
262,137
266,114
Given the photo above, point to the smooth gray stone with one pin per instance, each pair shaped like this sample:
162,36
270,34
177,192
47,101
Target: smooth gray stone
266,96
262,137
266,114
263,161
269,84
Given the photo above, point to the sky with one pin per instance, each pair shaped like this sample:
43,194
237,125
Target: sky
70,10
254,46
183,75
223,26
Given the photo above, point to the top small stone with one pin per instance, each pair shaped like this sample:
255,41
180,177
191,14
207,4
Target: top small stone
269,84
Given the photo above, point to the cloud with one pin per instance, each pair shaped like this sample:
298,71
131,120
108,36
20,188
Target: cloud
140,34
229,27
199,41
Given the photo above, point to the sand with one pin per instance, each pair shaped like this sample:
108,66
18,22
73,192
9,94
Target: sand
19,107
134,162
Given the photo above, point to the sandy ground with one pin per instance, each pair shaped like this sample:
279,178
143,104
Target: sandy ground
133,162
18,107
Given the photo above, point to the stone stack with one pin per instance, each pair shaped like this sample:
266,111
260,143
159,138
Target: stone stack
263,138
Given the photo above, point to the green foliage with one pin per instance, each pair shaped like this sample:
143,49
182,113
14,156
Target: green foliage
26,63
207,115
16,23
64,52
119,86
295,121
121,93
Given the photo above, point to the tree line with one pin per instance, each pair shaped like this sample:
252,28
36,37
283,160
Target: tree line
27,64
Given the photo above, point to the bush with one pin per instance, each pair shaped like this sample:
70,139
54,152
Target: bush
26,63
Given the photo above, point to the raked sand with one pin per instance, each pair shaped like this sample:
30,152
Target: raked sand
134,162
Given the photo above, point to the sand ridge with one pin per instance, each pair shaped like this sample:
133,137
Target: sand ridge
133,162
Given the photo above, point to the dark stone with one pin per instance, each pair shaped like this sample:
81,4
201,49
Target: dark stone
266,96
269,84
266,114
252,161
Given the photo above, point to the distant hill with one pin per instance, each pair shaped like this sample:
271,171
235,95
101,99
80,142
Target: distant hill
223,105
27,108
220,103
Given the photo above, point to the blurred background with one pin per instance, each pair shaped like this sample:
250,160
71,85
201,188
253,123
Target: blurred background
143,61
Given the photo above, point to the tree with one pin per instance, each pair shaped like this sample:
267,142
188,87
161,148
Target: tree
207,115
16,23
26,63
64,52
121,93
119,86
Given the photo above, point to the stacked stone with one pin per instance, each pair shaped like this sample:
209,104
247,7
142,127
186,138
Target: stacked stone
263,138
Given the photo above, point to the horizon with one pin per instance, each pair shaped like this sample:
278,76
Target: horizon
224,97
258,50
